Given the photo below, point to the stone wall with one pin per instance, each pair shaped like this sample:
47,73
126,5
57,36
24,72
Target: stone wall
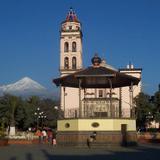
72,138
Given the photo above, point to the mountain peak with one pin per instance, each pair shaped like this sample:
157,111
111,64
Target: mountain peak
22,87
29,81
26,79
26,83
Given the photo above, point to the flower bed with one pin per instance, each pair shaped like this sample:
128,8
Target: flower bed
22,141
19,138
148,137
3,141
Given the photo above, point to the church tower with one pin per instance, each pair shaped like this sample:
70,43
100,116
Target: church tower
70,44
70,60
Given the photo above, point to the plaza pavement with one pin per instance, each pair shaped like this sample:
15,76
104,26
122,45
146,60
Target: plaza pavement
45,152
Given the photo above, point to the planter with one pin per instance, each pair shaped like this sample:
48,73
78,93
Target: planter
3,141
22,141
35,141
147,137
19,141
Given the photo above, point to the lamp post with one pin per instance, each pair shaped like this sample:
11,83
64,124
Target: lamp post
42,117
58,111
39,115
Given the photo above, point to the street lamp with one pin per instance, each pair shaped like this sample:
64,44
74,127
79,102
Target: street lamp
43,117
56,107
59,112
39,115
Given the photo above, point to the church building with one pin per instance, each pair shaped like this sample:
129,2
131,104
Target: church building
96,104
71,61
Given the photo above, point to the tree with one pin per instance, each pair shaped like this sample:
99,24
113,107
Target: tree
20,113
143,109
49,111
8,107
157,106
49,116
30,106
157,101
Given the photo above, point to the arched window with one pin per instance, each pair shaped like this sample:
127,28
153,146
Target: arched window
66,47
74,47
66,63
74,63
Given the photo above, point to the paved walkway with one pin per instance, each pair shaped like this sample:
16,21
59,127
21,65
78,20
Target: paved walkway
44,152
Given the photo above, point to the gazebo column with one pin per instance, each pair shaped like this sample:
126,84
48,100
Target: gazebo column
60,116
84,103
64,101
120,102
110,98
80,102
131,101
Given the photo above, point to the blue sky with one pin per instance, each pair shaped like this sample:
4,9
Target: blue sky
119,30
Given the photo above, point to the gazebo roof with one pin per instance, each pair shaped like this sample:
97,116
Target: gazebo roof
97,77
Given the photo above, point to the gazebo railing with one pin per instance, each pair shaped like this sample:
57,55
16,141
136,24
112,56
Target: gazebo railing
73,113
94,110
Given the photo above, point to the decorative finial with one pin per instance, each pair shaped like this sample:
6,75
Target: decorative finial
71,16
96,60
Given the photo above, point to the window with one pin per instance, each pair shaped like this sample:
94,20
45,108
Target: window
66,47
74,47
95,124
66,63
74,63
70,27
100,93
77,27
67,125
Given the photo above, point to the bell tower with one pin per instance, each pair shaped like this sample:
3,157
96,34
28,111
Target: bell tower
70,60
70,44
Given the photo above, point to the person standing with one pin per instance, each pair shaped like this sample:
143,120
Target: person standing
54,140
39,134
44,136
50,137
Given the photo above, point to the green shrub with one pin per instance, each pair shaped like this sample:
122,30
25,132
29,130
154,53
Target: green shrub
2,134
153,130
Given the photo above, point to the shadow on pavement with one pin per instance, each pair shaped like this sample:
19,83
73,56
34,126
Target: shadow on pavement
13,158
140,153
29,156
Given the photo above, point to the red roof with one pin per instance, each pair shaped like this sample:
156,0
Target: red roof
71,16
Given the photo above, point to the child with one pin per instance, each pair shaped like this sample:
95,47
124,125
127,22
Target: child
54,142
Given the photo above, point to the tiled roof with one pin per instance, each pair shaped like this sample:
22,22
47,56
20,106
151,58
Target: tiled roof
97,77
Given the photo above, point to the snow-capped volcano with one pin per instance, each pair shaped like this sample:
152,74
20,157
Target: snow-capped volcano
22,85
24,88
